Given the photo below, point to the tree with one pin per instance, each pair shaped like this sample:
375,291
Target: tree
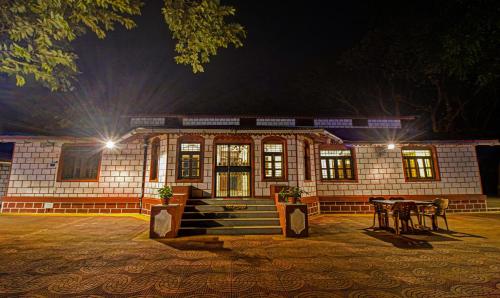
36,36
435,58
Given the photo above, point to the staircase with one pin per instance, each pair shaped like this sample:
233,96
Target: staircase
230,217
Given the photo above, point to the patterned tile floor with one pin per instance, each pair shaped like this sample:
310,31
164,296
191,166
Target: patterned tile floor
112,256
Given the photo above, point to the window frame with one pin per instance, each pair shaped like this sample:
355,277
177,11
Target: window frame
434,159
155,142
61,162
189,140
307,161
354,167
284,159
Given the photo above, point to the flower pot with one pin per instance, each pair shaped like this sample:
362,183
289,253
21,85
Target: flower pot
165,201
292,200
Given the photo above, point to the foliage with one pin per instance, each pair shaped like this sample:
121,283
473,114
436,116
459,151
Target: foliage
36,36
293,191
166,192
435,58
200,29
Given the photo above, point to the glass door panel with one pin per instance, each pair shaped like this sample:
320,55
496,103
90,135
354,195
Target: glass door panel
239,184
221,184
232,170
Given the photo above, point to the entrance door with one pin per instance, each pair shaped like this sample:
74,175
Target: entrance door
233,172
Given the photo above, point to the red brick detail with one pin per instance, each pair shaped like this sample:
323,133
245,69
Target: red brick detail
70,205
359,204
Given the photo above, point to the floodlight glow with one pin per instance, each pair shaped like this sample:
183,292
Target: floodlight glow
391,146
110,144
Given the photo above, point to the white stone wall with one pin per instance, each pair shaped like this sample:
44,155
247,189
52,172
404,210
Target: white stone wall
384,123
285,122
308,186
4,178
382,174
262,188
329,123
34,172
206,185
151,187
210,121
147,121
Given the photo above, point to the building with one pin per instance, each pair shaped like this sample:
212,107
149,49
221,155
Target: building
340,162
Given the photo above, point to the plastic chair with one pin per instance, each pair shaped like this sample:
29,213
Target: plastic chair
438,210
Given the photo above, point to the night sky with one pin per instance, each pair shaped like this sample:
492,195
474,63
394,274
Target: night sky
286,67
133,71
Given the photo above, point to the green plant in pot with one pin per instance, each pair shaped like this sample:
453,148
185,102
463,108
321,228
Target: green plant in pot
293,194
166,194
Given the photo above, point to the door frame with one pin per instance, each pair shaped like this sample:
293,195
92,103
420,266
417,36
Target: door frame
234,140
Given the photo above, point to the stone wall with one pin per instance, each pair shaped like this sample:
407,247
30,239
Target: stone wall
35,165
4,178
381,173
33,177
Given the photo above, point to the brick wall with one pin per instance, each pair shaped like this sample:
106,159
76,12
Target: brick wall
210,121
308,186
151,187
34,171
4,178
329,123
261,186
69,205
382,174
286,122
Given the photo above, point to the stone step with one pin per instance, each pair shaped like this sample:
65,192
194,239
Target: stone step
239,230
230,214
229,222
226,208
236,202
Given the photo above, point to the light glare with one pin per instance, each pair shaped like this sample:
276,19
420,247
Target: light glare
391,146
110,144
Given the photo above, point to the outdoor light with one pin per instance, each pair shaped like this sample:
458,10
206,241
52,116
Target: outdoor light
391,146
110,144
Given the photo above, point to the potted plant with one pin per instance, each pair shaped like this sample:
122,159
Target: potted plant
293,194
166,194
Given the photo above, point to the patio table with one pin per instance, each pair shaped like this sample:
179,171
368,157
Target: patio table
388,204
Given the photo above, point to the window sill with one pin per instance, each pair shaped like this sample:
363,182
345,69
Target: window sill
189,180
339,181
274,180
422,180
78,180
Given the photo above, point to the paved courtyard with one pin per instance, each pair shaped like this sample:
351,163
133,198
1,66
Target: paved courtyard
48,256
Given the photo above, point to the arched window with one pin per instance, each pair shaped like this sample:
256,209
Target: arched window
274,159
155,160
307,161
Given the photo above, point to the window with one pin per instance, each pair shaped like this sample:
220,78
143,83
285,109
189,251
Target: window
307,161
79,163
273,159
189,160
419,163
155,160
337,164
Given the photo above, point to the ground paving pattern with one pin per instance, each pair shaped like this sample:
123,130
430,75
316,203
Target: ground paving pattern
42,256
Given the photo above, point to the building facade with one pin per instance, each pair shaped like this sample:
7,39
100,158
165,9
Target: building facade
339,162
